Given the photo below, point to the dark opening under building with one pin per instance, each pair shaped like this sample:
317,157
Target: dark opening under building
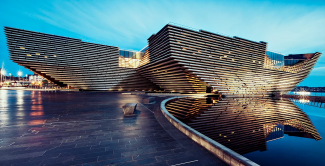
176,59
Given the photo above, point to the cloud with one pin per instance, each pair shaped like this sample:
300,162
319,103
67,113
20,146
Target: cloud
287,26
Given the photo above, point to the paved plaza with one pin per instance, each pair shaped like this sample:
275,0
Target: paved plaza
89,128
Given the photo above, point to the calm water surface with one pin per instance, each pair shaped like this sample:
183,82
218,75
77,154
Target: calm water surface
267,131
291,150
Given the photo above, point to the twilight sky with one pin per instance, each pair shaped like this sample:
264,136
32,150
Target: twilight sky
288,26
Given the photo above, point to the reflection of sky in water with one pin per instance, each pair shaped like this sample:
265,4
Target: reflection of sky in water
312,111
292,150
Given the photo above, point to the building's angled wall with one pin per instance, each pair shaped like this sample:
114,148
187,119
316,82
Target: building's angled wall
68,61
164,70
186,60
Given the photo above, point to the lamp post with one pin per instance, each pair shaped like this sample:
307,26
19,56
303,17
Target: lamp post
19,74
2,73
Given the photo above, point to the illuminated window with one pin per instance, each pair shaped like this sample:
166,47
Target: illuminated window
45,56
37,54
225,56
22,48
253,61
54,55
130,59
28,54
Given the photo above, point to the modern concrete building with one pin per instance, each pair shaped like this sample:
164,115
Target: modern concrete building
177,59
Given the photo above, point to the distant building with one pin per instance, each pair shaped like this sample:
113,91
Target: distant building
35,78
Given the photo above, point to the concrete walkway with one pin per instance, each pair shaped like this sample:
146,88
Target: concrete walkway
88,128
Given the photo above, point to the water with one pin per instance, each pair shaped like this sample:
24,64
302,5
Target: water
266,131
308,93
292,150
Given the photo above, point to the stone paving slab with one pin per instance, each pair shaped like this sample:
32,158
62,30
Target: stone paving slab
88,128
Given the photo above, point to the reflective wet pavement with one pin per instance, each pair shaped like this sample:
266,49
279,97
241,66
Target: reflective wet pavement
88,128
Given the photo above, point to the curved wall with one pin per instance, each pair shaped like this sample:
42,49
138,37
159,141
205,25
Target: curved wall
227,155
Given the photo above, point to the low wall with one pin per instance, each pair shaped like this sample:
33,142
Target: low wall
227,155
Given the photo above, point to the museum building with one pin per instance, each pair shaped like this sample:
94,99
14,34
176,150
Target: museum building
177,59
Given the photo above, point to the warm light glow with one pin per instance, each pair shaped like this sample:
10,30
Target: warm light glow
303,93
129,62
36,122
3,72
304,101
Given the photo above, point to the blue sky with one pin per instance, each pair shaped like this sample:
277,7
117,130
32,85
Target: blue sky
288,26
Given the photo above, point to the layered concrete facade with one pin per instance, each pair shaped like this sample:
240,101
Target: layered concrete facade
67,61
177,60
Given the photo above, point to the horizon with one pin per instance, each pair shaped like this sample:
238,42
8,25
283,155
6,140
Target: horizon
287,31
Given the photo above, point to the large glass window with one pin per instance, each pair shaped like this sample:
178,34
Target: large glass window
130,59
276,59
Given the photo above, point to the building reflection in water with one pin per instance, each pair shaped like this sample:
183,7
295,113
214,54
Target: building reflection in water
244,124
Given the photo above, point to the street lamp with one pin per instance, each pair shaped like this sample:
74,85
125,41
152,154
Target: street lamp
3,72
19,74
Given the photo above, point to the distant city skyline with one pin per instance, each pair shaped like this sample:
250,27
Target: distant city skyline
288,27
